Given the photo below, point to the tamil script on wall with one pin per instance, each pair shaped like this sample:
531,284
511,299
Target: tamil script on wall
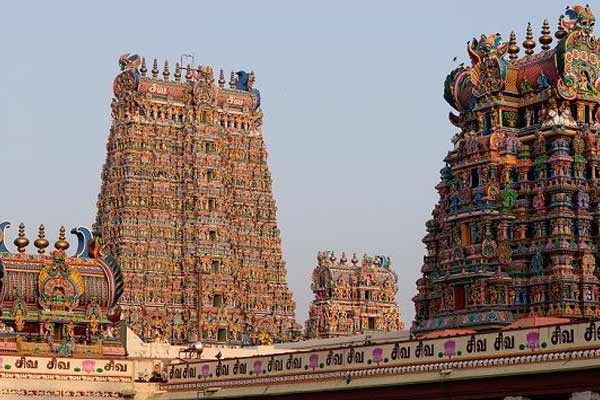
502,343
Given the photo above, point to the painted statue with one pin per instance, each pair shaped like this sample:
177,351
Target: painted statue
488,69
245,82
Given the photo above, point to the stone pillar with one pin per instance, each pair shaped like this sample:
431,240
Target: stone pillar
585,396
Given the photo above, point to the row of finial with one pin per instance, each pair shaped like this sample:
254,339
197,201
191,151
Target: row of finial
41,242
324,255
330,255
529,43
189,75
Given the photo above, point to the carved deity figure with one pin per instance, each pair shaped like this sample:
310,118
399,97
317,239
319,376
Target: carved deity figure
19,320
70,331
540,144
553,116
583,82
537,262
578,144
583,200
542,81
566,118
48,328
489,66
539,200
528,117
588,264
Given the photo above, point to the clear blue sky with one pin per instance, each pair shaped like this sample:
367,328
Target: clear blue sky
355,122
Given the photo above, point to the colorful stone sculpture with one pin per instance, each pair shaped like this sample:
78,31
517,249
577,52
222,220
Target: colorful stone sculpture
352,298
186,207
515,231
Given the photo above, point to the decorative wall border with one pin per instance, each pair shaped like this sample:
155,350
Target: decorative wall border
392,370
62,393
402,353
60,377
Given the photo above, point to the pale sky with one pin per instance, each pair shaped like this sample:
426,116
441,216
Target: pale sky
355,122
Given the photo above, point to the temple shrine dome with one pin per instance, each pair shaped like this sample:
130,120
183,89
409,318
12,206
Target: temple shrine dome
53,302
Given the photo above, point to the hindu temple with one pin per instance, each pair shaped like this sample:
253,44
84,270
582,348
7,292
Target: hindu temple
186,244
352,297
187,210
515,231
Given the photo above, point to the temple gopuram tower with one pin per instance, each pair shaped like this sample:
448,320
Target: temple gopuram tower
187,209
352,298
516,228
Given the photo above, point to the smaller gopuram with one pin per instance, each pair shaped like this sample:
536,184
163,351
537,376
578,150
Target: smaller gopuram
352,297
55,304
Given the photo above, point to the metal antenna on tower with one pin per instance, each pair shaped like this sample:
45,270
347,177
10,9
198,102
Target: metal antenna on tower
189,60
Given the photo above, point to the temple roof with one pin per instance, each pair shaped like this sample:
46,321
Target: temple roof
571,68
377,268
33,281
534,321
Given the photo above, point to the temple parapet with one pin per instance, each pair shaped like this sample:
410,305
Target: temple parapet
400,363
352,297
176,97
55,303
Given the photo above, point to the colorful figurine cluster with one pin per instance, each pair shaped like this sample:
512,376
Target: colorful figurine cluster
516,228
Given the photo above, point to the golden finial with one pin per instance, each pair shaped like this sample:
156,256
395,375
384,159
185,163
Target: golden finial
143,68
61,244
529,43
221,78
166,72
332,256
211,75
21,241
41,242
513,47
155,69
560,31
232,80
546,38
188,73
177,73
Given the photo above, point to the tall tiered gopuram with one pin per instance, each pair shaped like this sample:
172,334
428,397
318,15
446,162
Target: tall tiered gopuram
516,228
186,208
352,297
